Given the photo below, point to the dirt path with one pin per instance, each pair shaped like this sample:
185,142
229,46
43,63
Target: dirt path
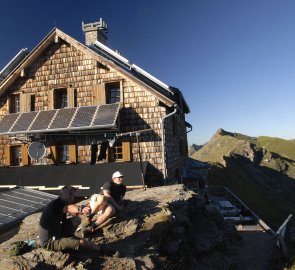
257,251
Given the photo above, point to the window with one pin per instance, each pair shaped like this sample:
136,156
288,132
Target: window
15,155
120,152
64,153
106,93
32,103
60,99
14,104
113,92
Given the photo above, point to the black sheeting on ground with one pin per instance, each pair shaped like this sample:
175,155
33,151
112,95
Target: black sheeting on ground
88,178
19,202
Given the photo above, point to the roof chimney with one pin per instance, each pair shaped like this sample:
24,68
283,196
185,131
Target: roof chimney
95,31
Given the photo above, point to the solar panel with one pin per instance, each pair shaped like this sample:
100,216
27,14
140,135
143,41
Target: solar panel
106,115
42,120
83,117
7,122
62,118
66,119
23,122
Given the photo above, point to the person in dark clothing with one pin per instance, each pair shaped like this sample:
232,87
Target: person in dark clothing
56,231
108,201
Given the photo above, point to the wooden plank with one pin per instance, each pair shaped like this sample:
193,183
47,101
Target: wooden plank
136,187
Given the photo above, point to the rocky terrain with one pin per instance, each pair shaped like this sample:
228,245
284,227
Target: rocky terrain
262,178
168,227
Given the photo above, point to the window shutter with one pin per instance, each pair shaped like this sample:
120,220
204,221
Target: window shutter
98,94
25,102
7,155
8,104
51,99
71,97
126,151
25,157
53,154
72,153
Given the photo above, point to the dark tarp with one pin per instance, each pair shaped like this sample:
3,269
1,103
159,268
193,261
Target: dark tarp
88,178
194,170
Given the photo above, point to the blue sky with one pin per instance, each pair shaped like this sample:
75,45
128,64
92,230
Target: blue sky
234,60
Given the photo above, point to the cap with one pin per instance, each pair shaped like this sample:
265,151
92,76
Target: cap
117,174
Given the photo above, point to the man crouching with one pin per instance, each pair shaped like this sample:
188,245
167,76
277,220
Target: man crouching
56,231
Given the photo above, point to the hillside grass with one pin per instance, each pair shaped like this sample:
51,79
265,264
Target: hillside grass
285,148
260,193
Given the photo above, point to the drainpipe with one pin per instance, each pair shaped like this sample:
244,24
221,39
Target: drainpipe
163,140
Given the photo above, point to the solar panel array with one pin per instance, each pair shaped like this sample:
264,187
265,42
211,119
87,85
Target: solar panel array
66,119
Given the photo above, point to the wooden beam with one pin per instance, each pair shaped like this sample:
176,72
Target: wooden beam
56,38
22,73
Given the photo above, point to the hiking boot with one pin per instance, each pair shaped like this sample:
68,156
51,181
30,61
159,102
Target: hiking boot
91,229
85,232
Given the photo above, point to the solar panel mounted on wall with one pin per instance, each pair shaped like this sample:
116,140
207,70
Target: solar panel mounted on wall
42,120
65,119
62,118
23,122
83,117
7,122
106,115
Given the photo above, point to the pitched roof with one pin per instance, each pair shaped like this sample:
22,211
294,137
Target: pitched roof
105,56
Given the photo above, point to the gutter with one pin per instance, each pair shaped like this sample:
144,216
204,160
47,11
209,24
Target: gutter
188,125
163,140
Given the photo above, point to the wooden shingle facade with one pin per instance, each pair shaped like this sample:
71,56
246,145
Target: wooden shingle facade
62,73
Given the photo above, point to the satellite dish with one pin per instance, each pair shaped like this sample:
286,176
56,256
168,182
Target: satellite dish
37,150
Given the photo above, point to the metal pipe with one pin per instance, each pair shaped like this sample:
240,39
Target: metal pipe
163,140
140,160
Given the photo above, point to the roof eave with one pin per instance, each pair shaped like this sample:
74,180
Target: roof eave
28,59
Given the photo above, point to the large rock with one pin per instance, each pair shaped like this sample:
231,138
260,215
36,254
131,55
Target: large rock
168,227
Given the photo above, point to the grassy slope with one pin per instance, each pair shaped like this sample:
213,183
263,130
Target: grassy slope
285,148
218,147
259,187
